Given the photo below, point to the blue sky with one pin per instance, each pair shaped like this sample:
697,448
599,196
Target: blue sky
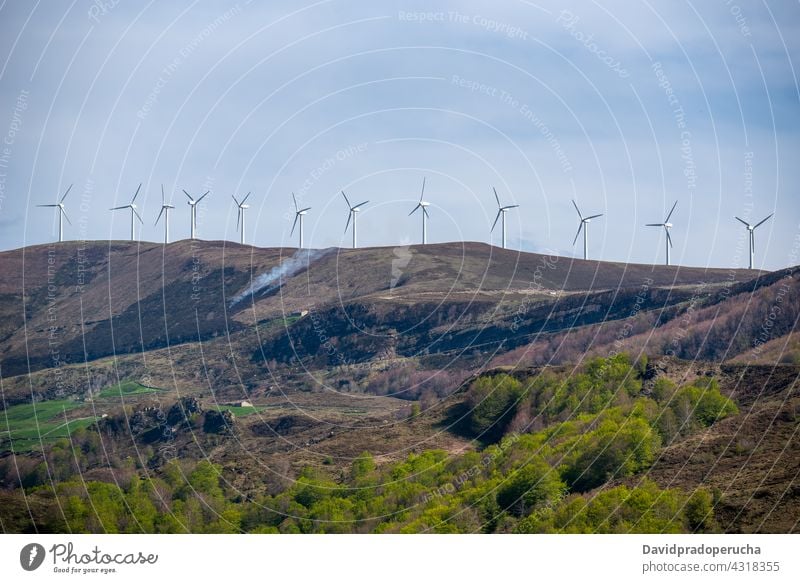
625,107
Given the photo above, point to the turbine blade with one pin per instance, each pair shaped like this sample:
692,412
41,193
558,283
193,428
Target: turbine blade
238,216
347,200
204,195
497,198
47,205
654,225
668,237
671,211
415,210
422,193
163,198
189,195
63,212
246,197
425,212
236,201
296,216
594,216
580,226
295,202
494,224
349,216
116,208
745,223
158,218
304,210
361,204
511,206
575,204
65,194
137,193
137,215
763,221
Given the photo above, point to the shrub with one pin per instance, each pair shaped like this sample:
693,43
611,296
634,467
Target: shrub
493,401
533,486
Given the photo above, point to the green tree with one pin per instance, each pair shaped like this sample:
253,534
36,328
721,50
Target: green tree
534,485
613,450
492,401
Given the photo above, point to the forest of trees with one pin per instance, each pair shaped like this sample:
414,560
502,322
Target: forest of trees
560,454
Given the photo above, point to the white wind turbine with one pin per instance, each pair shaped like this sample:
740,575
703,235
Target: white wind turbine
298,218
165,208
667,226
193,213
422,205
240,213
62,214
585,226
750,229
501,211
353,214
134,215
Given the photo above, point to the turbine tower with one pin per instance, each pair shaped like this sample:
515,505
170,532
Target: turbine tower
240,213
62,214
585,226
750,229
298,217
353,214
667,226
165,208
422,205
501,211
193,212
134,215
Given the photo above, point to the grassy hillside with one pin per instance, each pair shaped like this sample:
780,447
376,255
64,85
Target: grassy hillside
445,388
613,446
116,297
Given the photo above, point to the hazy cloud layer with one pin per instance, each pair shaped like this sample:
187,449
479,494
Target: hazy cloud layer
624,107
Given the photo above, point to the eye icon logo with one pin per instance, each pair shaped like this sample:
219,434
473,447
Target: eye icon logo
31,556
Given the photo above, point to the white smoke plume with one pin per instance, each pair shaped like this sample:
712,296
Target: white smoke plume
275,277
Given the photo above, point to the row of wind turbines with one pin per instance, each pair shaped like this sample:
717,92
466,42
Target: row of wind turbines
352,219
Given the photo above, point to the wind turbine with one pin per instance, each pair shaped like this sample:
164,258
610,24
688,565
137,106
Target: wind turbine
353,214
422,205
298,216
240,213
62,214
193,213
165,208
585,226
134,215
501,211
750,229
667,226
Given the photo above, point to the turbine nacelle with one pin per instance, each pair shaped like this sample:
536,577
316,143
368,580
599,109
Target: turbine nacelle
134,215
751,230
501,212
62,212
583,225
667,226
354,210
422,204
298,217
192,201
